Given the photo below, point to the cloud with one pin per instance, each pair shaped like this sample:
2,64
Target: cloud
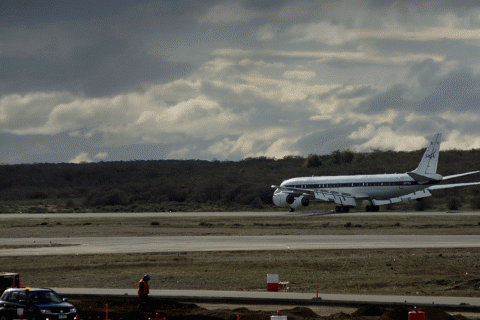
267,32
385,138
460,141
93,56
228,12
23,112
266,142
101,156
84,157
237,108
199,117
430,90
181,153
333,56
323,32
302,75
231,79
105,67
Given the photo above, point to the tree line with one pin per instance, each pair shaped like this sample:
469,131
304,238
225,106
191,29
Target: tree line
197,185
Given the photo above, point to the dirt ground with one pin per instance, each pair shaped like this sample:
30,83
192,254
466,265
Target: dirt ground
128,309
447,272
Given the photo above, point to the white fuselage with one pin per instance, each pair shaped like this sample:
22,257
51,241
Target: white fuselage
378,186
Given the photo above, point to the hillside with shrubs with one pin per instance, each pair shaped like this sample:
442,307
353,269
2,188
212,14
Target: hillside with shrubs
197,185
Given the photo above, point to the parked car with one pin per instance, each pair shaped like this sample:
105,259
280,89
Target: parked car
35,304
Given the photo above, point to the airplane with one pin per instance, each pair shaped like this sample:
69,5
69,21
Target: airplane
373,190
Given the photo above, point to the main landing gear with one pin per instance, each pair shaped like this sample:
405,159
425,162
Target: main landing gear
344,209
372,208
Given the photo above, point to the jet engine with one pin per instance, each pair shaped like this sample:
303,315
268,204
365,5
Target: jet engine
284,199
300,202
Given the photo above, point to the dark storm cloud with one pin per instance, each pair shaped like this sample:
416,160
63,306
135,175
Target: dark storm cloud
102,47
457,90
38,13
462,5
96,48
324,142
105,67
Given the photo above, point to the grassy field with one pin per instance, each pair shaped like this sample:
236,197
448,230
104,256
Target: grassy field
448,272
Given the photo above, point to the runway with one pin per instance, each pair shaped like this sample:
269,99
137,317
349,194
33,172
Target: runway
228,214
117,244
108,245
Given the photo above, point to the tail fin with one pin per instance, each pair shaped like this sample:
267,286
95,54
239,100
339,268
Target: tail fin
427,168
428,164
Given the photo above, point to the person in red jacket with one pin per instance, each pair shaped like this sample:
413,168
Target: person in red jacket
143,289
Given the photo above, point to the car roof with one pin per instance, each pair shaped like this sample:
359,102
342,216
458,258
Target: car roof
28,289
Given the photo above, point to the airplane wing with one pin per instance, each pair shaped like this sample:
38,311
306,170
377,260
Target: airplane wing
294,190
341,198
405,198
345,199
423,193
297,192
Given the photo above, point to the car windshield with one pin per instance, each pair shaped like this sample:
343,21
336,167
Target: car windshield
44,297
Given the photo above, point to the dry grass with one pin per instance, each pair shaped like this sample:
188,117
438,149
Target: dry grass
237,225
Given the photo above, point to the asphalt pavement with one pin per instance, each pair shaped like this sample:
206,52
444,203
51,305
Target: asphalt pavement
188,243
286,298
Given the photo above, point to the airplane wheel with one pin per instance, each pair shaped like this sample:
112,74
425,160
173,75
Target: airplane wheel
291,210
338,209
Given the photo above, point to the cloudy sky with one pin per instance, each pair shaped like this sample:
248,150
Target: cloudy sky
124,80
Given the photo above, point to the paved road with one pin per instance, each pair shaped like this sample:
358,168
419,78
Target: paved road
103,245
225,214
288,298
139,214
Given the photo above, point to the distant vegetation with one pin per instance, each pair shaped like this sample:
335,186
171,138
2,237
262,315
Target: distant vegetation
194,185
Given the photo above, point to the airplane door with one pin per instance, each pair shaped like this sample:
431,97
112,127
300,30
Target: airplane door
401,185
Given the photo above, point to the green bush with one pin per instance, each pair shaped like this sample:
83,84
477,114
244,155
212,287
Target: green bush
453,204
313,161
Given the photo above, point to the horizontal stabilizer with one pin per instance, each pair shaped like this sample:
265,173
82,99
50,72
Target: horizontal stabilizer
459,175
425,178
453,185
